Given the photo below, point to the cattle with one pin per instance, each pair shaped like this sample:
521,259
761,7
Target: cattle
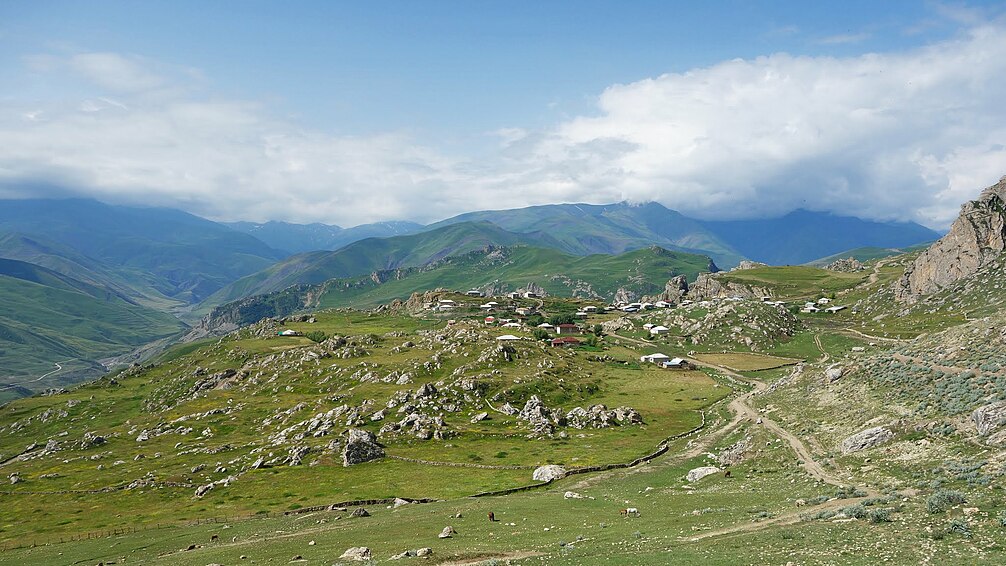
630,512
214,538
492,517
726,474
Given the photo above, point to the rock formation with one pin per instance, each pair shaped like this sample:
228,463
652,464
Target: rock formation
707,287
866,439
361,446
990,417
976,238
846,264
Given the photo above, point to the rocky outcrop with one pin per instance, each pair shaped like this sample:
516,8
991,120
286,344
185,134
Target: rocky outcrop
976,238
748,264
866,439
708,287
989,418
548,473
674,291
361,446
846,264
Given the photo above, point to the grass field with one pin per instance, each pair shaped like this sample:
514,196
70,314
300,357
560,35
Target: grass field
744,361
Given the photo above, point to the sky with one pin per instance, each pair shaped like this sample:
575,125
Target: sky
356,112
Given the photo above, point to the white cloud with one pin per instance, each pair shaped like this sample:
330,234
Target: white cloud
907,135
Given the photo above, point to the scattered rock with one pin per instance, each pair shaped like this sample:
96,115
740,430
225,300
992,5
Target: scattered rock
480,417
359,512
448,532
572,495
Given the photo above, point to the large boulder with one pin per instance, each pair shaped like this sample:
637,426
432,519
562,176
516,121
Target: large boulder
866,439
548,473
990,417
361,446
699,473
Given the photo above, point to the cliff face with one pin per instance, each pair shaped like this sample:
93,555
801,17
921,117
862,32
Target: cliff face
977,237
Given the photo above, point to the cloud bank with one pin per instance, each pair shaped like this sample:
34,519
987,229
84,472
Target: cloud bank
905,136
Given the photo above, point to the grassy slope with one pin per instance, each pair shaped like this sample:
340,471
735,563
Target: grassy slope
643,271
46,317
668,401
365,256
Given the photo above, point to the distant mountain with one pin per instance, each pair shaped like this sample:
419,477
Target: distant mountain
584,229
47,318
367,256
802,236
494,270
175,254
299,238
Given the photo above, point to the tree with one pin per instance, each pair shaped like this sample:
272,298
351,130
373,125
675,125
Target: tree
598,330
316,336
541,334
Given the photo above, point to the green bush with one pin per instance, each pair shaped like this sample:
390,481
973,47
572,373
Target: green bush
879,515
316,336
943,500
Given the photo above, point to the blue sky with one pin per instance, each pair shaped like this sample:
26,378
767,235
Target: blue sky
349,112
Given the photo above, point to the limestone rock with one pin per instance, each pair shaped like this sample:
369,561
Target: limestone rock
847,265
707,287
356,554
361,446
548,473
480,417
976,238
834,373
699,473
990,417
572,495
448,532
748,264
866,439
359,512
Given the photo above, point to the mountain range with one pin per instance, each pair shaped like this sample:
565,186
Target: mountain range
132,264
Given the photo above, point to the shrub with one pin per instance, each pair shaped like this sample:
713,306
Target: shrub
880,515
943,500
854,511
316,336
959,526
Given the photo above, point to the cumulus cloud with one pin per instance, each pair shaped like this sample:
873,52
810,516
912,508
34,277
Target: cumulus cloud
904,136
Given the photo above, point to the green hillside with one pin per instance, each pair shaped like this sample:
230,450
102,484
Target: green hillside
495,270
175,254
867,253
48,318
365,257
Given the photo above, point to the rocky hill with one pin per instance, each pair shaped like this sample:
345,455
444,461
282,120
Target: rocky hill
976,238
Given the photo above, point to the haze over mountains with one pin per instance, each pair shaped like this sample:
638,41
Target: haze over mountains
131,273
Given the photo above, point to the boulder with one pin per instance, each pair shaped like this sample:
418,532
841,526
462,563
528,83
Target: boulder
399,502
548,473
356,554
361,446
425,551
866,439
834,373
448,532
572,495
699,473
989,417
359,512
480,417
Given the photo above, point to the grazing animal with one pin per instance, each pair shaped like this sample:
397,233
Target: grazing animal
630,512
214,538
726,474
492,517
